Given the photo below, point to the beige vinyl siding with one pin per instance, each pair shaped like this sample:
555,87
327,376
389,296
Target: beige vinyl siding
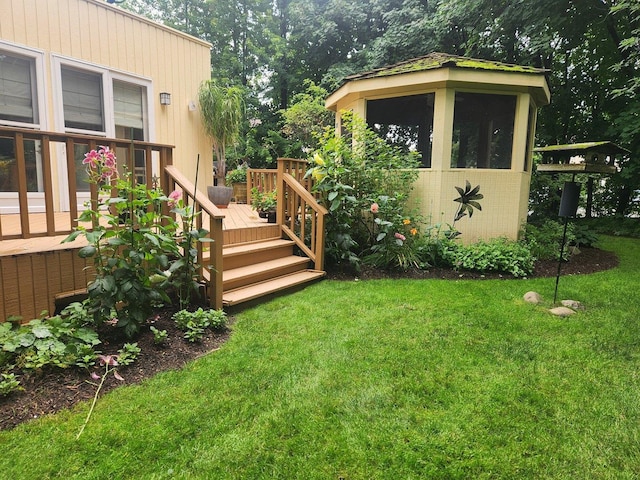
105,36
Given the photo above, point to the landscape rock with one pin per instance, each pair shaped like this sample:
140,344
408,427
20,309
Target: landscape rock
533,297
574,304
562,311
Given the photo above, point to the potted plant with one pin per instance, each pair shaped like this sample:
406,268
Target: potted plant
221,114
264,203
237,178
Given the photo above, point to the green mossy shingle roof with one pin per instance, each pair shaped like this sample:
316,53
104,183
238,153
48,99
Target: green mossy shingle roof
442,60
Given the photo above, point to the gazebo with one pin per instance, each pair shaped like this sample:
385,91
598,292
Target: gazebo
471,120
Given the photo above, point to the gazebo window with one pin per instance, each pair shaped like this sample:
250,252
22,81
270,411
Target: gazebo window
483,130
405,121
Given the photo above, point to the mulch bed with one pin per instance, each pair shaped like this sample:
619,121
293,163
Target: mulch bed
52,390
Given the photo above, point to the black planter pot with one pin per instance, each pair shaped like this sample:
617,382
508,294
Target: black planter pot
271,217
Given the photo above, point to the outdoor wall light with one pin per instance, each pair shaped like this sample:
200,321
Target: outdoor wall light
165,98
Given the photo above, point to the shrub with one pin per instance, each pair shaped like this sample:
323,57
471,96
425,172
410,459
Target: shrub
60,341
499,255
349,172
137,251
394,235
195,323
544,240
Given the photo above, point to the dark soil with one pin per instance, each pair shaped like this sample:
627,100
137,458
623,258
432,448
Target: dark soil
588,260
53,390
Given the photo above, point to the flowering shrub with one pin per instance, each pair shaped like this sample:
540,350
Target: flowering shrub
394,235
137,250
350,170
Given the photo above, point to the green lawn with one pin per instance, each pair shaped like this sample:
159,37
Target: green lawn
380,379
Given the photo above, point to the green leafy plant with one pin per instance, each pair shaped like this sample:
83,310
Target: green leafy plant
8,383
138,251
497,255
237,175
263,201
59,341
159,336
128,354
195,323
348,172
394,235
544,239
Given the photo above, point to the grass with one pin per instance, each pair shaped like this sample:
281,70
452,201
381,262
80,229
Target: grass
381,379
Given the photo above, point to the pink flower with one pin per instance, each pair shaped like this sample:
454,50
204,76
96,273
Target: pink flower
92,158
111,360
399,236
174,197
375,207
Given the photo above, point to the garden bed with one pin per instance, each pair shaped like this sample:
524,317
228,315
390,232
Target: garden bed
53,390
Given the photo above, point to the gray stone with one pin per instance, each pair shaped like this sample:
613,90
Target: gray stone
532,297
574,304
562,311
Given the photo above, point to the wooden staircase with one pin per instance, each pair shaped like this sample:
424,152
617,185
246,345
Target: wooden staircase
256,269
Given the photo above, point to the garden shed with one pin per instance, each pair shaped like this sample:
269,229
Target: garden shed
471,120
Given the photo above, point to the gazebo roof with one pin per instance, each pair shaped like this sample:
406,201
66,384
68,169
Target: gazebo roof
440,70
437,60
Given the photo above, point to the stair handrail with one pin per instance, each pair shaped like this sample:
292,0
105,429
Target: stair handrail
202,205
299,214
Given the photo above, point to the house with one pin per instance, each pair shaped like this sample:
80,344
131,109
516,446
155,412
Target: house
74,75
471,120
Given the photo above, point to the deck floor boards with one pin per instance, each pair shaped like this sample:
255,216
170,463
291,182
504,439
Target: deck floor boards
241,224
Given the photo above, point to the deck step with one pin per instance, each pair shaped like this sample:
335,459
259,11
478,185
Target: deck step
258,272
245,254
277,284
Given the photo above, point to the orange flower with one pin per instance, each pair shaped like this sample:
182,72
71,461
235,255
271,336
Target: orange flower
406,221
414,231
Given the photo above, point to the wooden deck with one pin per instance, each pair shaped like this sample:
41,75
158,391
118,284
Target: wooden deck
241,224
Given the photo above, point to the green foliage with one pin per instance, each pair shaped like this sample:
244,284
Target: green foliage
263,201
394,235
60,341
307,117
545,240
128,354
237,175
159,336
349,172
617,226
221,113
138,251
8,383
195,323
498,255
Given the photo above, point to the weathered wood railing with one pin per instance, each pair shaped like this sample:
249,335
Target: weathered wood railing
299,214
210,266
67,149
264,179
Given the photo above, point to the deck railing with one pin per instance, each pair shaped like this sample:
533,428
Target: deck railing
298,212
210,265
29,158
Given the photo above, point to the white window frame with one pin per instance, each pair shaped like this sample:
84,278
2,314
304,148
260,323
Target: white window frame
38,57
108,76
9,200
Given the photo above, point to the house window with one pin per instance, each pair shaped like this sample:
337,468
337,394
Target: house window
129,108
82,100
9,165
406,122
483,130
18,98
